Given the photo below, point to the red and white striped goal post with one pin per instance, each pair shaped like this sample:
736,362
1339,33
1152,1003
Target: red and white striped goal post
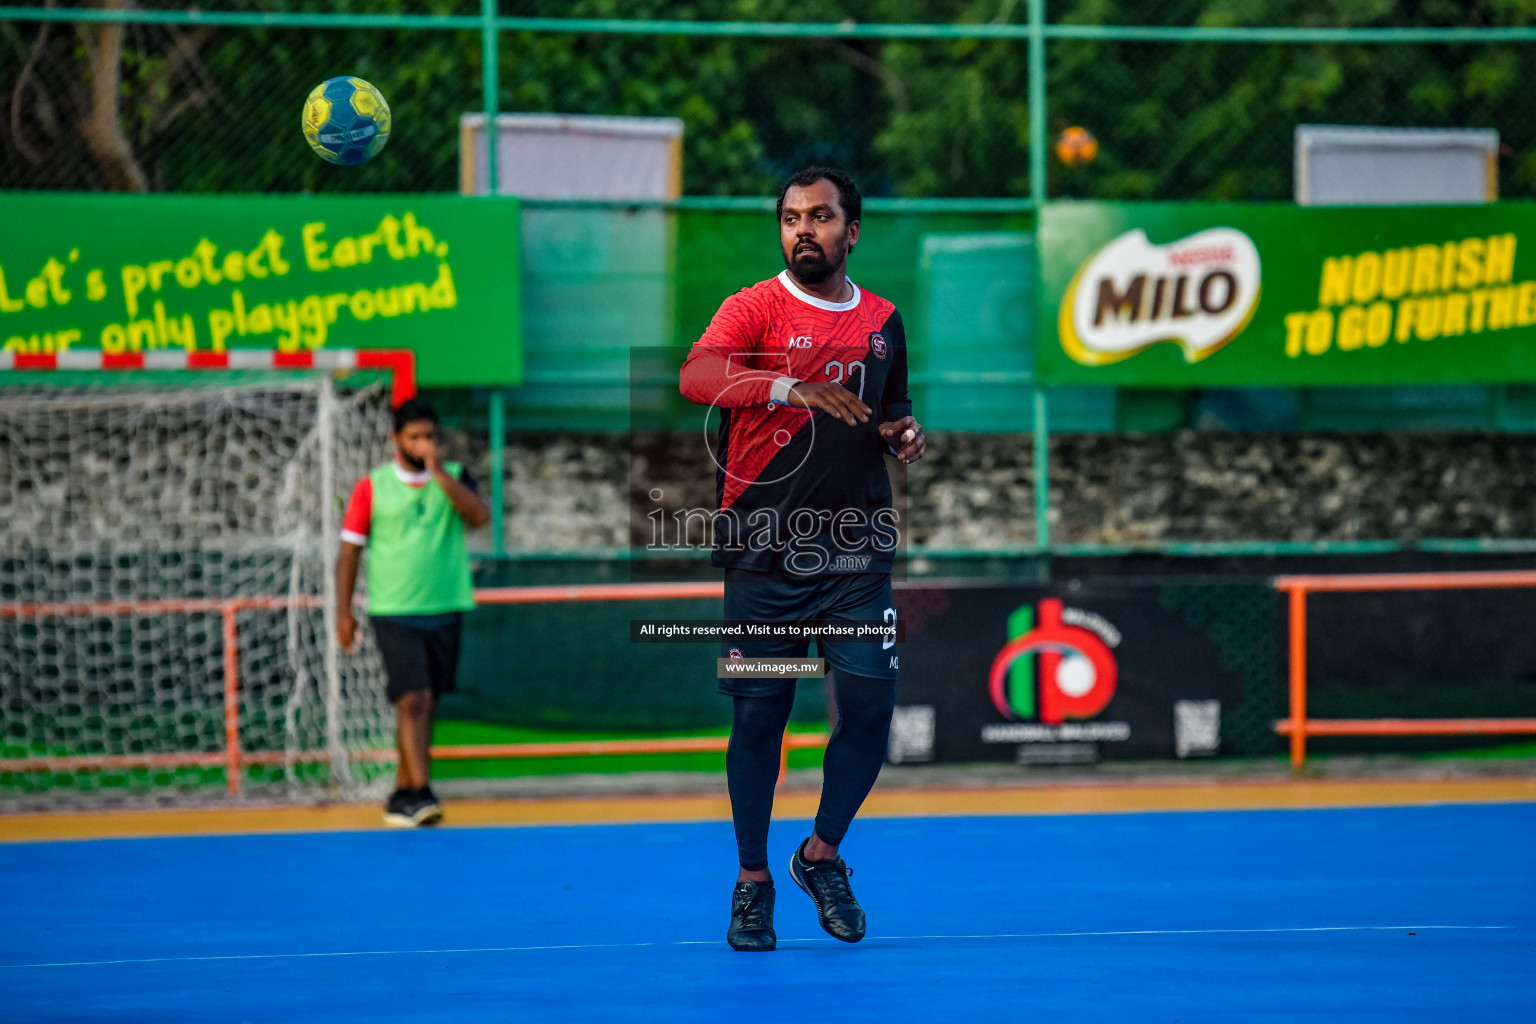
400,363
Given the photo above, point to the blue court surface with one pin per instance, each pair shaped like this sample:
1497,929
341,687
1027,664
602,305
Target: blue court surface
1390,914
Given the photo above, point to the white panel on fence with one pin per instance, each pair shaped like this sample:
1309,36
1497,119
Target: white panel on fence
570,156
1372,166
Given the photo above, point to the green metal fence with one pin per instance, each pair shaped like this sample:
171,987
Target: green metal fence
1196,100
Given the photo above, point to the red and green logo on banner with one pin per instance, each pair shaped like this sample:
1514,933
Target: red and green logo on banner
1051,670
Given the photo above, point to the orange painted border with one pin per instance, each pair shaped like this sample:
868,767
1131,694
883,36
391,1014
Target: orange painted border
883,803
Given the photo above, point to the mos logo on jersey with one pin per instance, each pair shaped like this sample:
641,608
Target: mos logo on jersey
1058,664
877,344
1198,293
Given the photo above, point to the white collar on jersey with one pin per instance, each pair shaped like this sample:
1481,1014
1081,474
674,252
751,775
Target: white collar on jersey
407,476
811,300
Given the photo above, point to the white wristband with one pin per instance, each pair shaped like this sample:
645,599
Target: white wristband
779,393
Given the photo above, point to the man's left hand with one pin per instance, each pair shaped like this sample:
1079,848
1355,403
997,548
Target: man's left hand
905,436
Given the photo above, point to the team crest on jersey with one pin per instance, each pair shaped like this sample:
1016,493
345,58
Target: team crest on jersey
735,652
877,344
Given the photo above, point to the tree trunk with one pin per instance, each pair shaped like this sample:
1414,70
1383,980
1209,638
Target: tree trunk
102,127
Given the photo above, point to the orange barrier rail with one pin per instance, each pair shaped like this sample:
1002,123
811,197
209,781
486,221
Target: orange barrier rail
598,592
1298,726
581,748
233,759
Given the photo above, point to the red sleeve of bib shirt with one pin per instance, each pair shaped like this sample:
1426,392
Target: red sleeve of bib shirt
354,525
723,368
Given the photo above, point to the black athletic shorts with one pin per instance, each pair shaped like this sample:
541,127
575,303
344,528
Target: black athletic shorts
766,597
421,652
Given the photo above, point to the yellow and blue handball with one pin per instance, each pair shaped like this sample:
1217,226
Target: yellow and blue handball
346,120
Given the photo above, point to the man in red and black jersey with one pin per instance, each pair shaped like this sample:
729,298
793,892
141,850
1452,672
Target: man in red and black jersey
809,372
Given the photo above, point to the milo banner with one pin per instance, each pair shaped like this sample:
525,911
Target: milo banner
1087,672
1191,294
210,273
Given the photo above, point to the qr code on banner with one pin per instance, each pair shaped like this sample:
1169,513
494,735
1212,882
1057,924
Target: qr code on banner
1196,727
912,728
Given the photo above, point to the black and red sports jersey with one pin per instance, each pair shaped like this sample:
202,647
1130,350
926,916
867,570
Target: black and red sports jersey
801,490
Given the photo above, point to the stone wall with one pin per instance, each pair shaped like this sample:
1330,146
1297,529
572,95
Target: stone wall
573,492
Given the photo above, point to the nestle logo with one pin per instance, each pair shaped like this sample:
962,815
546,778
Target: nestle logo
1195,257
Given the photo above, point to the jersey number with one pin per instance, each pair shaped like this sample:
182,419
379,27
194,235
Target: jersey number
845,371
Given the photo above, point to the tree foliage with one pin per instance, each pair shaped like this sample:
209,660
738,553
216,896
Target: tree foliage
217,109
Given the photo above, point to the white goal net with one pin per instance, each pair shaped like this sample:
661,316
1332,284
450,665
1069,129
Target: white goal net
167,604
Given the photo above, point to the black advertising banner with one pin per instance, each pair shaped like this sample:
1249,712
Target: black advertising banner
1087,671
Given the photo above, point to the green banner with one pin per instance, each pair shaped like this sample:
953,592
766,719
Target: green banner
1194,294
437,274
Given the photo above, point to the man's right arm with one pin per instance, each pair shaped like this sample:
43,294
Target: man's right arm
356,524
725,369
347,561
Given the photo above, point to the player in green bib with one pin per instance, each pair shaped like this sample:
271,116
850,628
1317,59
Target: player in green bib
410,514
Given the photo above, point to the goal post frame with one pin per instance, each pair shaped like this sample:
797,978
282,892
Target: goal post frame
399,363
71,369
228,613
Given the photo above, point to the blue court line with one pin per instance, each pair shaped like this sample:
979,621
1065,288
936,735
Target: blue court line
1216,916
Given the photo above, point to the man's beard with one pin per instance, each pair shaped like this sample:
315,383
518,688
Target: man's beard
413,464
811,267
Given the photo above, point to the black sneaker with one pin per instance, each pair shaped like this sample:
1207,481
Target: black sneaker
427,810
408,808
400,808
751,928
826,883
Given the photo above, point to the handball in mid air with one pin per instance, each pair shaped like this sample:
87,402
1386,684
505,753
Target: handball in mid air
1076,146
346,120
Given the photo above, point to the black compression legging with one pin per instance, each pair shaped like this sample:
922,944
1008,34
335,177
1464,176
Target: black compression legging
854,756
